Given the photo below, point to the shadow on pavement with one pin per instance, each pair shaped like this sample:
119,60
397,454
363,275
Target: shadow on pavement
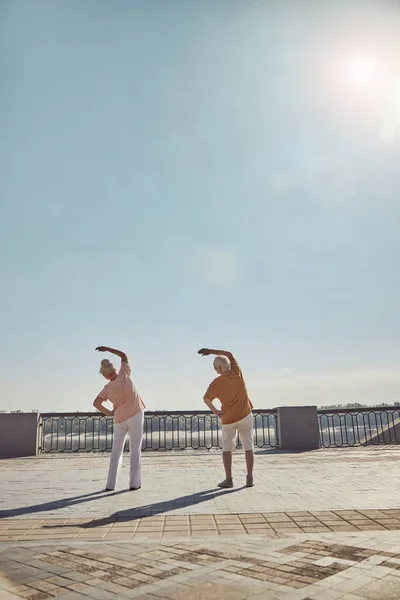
158,508
56,504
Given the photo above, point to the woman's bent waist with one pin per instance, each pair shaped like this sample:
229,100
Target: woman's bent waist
122,416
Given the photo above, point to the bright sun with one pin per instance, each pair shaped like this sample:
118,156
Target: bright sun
361,70
369,90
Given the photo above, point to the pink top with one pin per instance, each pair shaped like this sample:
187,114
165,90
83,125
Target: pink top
123,395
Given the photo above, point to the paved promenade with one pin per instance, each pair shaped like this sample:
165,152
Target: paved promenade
323,525
73,486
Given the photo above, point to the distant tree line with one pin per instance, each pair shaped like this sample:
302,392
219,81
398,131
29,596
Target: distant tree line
358,405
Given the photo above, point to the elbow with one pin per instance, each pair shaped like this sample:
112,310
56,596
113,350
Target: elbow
206,400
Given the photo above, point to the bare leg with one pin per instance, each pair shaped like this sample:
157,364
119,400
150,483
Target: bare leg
249,465
250,462
227,459
246,435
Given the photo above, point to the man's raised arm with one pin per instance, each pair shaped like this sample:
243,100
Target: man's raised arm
234,364
208,351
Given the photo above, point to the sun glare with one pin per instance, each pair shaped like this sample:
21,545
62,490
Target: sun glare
361,70
364,87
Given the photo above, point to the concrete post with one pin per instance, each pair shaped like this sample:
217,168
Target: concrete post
297,428
18,434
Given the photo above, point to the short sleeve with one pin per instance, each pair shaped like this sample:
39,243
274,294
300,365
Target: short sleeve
235,369
104,393
211,392
125,369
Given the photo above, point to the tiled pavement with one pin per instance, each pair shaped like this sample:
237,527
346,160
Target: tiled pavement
73,486
321,526
270,525
317,567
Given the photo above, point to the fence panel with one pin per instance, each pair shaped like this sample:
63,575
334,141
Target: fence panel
359,426
163,431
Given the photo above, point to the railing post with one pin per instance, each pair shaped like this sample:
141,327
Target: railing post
18,434
297,428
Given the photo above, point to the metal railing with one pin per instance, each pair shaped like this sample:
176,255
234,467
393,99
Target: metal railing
359,426
163,431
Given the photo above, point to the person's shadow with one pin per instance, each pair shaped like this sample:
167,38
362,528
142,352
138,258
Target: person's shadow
157,508
129,514
57,504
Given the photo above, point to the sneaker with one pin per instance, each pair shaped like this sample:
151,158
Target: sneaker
249,481
227,483
133,489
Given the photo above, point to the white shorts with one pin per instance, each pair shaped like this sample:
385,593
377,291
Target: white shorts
245,429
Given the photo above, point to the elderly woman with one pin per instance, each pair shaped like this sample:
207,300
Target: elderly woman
128,416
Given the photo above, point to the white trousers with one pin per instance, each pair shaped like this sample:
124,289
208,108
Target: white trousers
133,427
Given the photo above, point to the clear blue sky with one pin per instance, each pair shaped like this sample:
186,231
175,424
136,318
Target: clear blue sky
177,174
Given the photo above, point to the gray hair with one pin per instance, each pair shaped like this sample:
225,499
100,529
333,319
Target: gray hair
106,366
223,362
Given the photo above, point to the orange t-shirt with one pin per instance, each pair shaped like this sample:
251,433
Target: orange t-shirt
123,395
230,389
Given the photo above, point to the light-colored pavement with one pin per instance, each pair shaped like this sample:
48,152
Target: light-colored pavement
270,525
317,567
68,486
320,525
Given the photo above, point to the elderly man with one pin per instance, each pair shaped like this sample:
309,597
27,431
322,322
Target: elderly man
236,411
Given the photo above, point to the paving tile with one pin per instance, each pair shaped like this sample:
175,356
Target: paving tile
382,589
147,597
70,596
348,596
327,595
352,585
232,526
